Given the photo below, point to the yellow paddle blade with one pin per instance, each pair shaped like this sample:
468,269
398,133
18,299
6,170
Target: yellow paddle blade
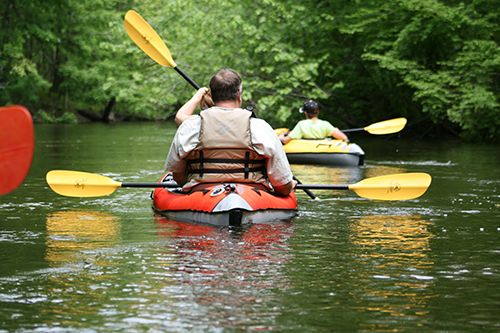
282,130
80,184
401,186
387,127
147,39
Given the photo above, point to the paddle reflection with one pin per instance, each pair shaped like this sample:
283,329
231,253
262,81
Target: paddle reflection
69,232
387,246
400,234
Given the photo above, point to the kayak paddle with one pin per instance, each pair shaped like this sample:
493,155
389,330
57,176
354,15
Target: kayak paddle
382,127
151,43
402,186
17,143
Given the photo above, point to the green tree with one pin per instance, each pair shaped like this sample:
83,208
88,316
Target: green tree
447,54
434,62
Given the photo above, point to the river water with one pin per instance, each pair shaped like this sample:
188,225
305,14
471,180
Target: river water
344,263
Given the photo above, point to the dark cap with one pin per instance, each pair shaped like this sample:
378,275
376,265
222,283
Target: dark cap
309,107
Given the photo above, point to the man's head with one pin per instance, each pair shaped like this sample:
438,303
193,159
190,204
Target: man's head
225,85
310,108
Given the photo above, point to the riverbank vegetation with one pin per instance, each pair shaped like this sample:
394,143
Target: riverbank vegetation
436,63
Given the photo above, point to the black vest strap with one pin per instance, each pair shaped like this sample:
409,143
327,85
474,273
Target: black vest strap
193,171
246,162
247,158
201,165
224,160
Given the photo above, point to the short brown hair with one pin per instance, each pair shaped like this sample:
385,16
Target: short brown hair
225,85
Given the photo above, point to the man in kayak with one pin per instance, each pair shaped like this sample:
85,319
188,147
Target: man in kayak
226,143
312,127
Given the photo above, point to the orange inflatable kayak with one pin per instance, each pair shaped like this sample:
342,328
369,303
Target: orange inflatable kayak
223,204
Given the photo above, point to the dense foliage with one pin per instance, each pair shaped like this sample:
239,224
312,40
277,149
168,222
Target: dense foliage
434,62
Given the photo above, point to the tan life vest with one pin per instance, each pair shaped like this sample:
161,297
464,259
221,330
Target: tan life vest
225,152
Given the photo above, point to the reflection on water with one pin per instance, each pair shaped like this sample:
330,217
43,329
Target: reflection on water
71,231
319,174
381,170
394,260
328,175
108,264
233,247
402,235
231,270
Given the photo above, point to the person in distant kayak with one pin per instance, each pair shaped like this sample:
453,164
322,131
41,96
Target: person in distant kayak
226,143
312,127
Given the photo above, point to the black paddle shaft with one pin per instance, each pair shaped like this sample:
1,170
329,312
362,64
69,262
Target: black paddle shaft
353,130
188,79
309,193
298,186
170,185
322,187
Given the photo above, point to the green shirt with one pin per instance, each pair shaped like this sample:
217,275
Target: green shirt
308,129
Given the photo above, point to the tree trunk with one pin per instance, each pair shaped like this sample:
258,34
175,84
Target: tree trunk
108,116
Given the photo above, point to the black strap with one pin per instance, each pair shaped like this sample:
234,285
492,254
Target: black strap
247,158
201,164
224,160
245,170
246,162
